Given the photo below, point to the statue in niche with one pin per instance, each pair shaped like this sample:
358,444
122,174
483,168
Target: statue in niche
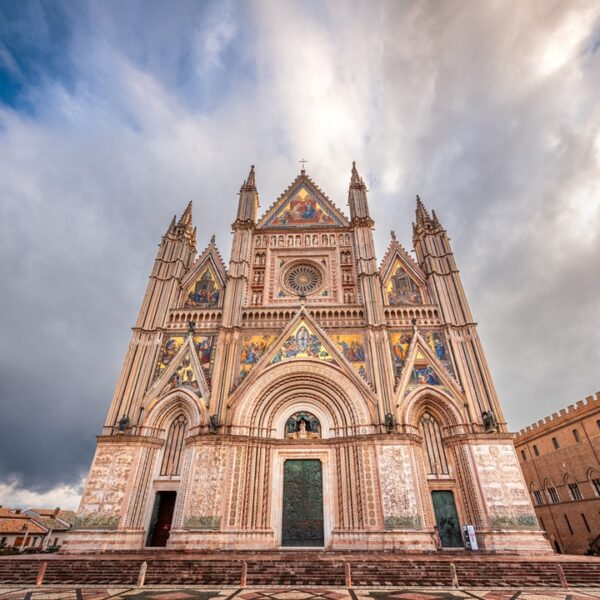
303,425
489,421
124,423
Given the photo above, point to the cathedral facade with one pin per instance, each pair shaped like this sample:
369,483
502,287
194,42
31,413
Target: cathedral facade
305,395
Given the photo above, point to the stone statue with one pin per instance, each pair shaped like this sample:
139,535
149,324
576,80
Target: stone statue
489,421
389,422
214,423
192,327
124,423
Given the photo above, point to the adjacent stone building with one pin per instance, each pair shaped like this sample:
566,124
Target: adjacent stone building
305,395
560,458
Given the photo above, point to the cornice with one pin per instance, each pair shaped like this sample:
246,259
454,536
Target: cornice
130,440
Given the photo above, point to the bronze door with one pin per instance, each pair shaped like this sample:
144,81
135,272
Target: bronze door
302,523
446,518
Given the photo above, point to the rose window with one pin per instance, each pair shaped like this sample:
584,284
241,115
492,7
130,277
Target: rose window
303,279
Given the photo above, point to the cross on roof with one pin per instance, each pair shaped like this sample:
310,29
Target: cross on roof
303,162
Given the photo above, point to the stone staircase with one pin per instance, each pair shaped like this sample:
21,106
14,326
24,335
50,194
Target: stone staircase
323,569
405,572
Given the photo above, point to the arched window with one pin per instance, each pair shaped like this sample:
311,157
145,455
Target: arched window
171,462
432,438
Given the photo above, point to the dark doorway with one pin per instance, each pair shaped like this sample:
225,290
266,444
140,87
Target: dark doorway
302,523
446,518
162,516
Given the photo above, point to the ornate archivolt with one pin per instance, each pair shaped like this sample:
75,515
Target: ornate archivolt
311,385
161,411
433,399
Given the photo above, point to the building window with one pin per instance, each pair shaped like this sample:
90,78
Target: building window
576,435
598,423
535,450
596,484
586,523
555,443
432,438
574,491
553,495
542,523
171,463
538,497
568,524
523,455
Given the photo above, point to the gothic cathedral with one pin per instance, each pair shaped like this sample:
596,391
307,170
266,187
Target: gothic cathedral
305,396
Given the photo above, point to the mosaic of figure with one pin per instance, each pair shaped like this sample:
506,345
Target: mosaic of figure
303,425
303,209
400,343
253,347
352,347
425,375
401,289
437,342
169,351
183,376
205,291
303,343
202,345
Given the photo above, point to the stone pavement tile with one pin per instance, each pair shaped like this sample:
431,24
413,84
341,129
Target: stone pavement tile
403,594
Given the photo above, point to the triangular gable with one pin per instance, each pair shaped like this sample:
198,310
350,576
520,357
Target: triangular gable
403,280
421,366
183,362
401,285
302,342
203,286
304,339
303,204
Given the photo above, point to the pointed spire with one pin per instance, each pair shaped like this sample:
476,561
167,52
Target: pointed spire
357,196
172,225
249,184
356,182
186,217
248,202
423,218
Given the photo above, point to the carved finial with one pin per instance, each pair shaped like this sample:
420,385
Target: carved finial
213,239
191,327
393,235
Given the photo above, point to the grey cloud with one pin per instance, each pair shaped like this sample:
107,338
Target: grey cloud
487,110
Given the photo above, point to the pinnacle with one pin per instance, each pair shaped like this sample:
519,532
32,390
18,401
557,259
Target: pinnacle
356,181
250,183
423,217
186,217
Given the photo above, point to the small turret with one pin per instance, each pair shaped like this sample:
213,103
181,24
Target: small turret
357,196
248,203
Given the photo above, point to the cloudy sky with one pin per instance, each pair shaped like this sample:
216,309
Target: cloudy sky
113,115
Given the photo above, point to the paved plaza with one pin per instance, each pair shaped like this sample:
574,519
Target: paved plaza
289,593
